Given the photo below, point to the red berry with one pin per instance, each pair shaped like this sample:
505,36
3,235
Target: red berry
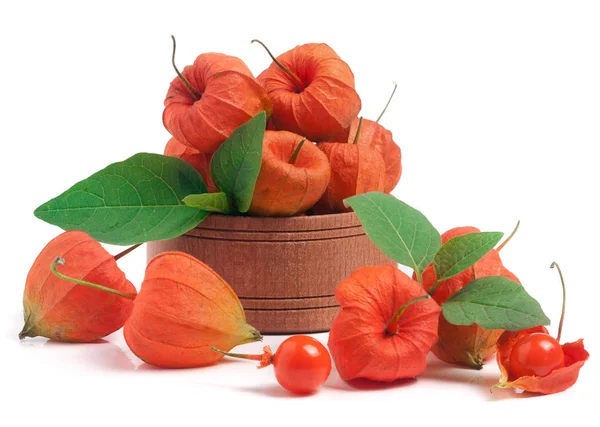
302,364
536,354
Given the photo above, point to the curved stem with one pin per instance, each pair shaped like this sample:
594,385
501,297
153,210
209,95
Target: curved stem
126,251
265,359
357,131
434,287
296,152
60,261
392,327
294,77
564,302
197,95
499,248
388,103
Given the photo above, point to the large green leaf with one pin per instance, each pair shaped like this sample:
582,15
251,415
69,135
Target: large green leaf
494,302
212,202
461,252
235,165
400,231
137,200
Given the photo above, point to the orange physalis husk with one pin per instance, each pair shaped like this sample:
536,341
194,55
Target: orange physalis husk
183,309
199,161
355,169
556,381
285,187
319,99
64,311
360,342
374,135
228,96
465,345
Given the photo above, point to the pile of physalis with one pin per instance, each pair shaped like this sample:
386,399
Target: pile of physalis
289,142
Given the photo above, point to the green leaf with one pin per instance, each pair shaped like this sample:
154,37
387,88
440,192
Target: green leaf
494,302
211,202
235,165
137,200
461,252
400,231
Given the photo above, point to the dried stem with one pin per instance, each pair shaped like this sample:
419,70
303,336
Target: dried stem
296,152
499,248
358,131
197,95
295,78
388,103
127,251
564,301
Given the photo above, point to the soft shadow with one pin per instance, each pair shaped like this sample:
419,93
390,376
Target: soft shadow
101,353
148,367
483,380
446,372
272,391
362,384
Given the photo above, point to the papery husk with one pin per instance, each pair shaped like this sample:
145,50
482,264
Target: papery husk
183,309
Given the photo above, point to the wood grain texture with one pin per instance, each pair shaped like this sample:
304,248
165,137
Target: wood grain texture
284,270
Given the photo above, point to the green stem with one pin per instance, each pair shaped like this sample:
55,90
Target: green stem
197,95
434,287
60,261
296,152
499,248
358,131
388,103
392,327
239,355
127,251
564,302
296,80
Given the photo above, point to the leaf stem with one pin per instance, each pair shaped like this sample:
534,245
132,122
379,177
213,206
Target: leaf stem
296,152
295,78
499,248
127,251
358,131
419,276
388,103
392,327
197,95
564,301
60,261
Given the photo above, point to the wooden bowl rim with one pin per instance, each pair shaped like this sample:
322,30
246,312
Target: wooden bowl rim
283,224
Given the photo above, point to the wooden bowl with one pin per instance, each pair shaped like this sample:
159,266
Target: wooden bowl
284,270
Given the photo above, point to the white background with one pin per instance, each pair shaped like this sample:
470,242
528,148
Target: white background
497,114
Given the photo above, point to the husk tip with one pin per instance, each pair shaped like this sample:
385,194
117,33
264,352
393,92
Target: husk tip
26,332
